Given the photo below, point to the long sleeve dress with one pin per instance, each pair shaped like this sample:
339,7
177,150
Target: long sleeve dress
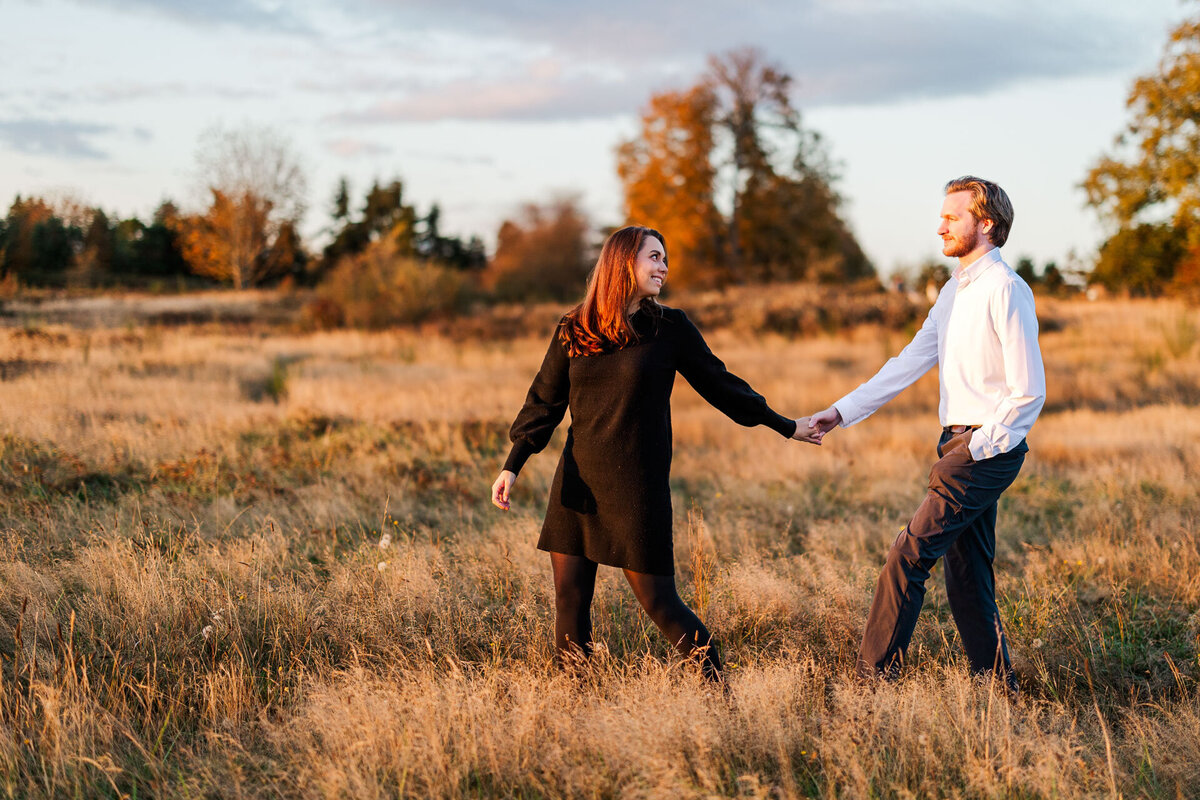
610,500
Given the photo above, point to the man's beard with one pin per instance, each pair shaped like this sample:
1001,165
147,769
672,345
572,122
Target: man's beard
957,248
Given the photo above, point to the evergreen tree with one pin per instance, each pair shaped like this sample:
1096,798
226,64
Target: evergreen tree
39,247
385,214
1025,270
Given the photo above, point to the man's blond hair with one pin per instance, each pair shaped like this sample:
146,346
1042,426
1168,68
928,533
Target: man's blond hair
988,201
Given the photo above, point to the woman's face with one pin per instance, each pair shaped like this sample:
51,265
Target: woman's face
650,269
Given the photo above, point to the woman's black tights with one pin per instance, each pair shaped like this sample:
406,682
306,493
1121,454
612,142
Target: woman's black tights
574,585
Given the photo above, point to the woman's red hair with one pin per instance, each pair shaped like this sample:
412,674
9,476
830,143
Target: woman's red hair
601,321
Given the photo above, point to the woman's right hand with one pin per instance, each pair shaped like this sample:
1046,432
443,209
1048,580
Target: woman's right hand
502,488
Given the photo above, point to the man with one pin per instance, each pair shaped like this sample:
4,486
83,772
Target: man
982,335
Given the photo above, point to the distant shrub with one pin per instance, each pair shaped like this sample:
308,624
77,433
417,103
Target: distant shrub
1180,334
271,386
277,381
380,287
10,286
1141,260
542,254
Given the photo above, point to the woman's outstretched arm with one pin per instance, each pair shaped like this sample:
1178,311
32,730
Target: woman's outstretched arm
722,389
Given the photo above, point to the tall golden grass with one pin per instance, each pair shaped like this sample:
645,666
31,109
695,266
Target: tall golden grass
244,562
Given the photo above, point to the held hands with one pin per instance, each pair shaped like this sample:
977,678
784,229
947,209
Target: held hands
813,429
825,421
502,488
805,433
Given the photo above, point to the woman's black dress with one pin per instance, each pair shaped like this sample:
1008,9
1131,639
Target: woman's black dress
611,500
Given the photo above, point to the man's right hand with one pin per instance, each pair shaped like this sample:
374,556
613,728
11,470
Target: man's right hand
825,421
806,433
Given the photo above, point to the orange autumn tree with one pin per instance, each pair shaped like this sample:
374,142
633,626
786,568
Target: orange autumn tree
739,188
669,176
542,252
1147,187
247,235
225,242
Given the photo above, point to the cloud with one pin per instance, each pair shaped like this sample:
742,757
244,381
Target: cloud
351,148
58,138
132,91
247,14
457,159
358,84
919,52
500,100
604,59
520,89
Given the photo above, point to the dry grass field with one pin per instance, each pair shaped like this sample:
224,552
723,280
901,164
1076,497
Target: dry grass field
243,561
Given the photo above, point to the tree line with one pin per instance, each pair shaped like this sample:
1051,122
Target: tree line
725,168
741,190
235,242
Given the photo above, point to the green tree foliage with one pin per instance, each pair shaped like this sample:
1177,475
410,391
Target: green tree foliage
388,265
1141,259
1053,280
1025,270
449,251
93,264
385,214
341,203
38,246
149,251
542,254
735,142
1154,173
931,276
43,245
1050,280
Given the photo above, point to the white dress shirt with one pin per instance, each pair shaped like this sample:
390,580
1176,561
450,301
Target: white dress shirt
982,334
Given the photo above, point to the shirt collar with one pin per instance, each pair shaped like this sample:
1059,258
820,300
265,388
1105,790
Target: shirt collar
977,267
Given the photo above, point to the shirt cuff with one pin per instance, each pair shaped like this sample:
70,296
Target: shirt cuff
520,453
849,411
981,446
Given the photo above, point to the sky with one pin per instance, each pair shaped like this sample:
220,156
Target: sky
482,105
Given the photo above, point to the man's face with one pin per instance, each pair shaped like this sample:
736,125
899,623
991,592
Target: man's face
961,233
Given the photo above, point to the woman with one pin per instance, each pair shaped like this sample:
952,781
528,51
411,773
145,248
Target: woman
612,362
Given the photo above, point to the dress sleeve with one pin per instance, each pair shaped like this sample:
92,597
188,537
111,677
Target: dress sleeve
545,405
725,391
